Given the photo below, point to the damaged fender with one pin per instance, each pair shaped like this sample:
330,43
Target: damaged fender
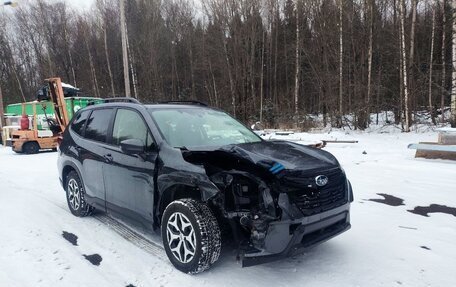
176,178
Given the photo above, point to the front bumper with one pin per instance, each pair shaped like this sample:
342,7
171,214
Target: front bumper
290,237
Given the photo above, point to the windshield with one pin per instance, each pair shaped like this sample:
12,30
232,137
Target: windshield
190,127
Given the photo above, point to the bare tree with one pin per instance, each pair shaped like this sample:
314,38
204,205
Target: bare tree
453,75
2,111
123,29
369,61
404,65
104,15
411,83
297,67
341,59
132,68
70,57
91,62
262,78
431,63
443,52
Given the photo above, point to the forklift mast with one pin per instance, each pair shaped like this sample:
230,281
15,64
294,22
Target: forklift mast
30,141
57,98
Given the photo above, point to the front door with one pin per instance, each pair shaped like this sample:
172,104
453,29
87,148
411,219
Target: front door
129,179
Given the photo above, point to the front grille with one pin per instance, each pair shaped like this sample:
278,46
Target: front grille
312,199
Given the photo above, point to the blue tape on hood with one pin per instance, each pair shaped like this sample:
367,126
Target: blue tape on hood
276,168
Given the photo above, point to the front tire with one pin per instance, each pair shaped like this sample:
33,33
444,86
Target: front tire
191,235
75,196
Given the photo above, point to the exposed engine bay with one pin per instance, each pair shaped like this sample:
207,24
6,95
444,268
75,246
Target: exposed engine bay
257,192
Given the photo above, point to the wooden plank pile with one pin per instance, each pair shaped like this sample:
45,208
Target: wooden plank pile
445,148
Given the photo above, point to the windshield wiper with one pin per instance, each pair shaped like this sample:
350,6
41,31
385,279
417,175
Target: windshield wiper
184,148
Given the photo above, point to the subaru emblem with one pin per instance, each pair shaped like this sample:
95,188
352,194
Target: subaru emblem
321,180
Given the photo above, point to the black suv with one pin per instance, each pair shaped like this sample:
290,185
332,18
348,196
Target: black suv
196,173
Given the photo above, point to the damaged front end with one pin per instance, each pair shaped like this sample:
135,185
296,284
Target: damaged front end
275,205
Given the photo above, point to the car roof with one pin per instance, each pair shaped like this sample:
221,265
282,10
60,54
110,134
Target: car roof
175,106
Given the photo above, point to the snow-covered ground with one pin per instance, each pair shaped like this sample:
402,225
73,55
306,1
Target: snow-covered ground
387,245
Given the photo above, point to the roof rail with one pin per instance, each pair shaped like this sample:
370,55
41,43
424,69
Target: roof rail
189,102
122,100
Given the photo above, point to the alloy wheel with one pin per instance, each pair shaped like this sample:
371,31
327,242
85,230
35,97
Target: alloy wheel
74,194
181,237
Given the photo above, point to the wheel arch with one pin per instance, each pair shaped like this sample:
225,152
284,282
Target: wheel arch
69,167
175,192
178,185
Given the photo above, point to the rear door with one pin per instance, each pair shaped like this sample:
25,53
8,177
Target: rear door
129,179
92,151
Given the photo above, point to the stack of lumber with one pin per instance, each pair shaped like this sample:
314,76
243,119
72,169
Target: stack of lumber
445,148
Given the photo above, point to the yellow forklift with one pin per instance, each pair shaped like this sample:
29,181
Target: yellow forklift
31,140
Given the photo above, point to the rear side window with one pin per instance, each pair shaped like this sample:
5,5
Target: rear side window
78,124
97,125
130,125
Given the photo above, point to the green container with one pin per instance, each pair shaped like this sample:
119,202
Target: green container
73,104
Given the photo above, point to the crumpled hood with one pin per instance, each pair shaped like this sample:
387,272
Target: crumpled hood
291,156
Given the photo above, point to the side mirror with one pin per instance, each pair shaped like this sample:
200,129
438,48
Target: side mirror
132,146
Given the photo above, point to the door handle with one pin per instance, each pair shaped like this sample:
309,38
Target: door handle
108,158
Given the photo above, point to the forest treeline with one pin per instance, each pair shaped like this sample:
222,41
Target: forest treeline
274,61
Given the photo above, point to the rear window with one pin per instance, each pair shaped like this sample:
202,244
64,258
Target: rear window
79,122
97,125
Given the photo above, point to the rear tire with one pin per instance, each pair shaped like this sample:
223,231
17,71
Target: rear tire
191,235
31,147
75,196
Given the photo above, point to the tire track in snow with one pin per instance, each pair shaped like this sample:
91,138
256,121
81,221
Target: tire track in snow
133,236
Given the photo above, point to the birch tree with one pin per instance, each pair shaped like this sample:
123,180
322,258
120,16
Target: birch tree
411,82
297,67
431,63
369,61
443,52
404,65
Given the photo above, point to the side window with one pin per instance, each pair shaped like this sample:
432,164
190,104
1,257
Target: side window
97,125
130,125
78,124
